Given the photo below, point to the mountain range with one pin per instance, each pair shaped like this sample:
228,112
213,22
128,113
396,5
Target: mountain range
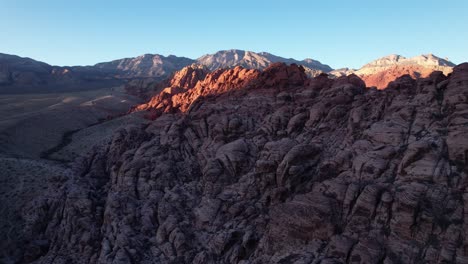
252,60
146,66
24,74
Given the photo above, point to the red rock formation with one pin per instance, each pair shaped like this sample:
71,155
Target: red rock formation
329,172
188,77
379,73
184,79
177,98
383,78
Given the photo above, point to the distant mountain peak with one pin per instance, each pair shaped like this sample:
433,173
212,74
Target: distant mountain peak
431,59
147,65
255,60
386,69
391,59
422,60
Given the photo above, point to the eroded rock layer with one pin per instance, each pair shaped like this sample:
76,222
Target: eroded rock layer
285,171
379,73
381,79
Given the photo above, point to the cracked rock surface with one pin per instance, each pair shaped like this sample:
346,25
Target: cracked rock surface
271,167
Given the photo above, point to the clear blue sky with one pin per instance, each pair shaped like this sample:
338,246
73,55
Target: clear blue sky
339,33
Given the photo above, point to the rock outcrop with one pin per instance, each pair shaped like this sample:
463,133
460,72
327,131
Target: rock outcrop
381,79
379,73
189,85
185,78
270,167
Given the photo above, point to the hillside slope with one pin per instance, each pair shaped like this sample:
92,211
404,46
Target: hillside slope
25,75
146,66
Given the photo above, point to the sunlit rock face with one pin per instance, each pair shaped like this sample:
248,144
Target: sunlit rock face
257,60
190,85
181,80
382,78
379,73
268,166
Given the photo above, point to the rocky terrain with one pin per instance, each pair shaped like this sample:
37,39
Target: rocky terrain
25,75
143,74
39,135
379,73
250,166
182,79
381,79
161,67
216,63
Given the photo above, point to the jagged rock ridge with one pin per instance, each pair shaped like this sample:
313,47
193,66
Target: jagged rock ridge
290,171
427,60
259,61
183,79
179,98
17,74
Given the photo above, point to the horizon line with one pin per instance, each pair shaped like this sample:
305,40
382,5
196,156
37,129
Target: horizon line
232,49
